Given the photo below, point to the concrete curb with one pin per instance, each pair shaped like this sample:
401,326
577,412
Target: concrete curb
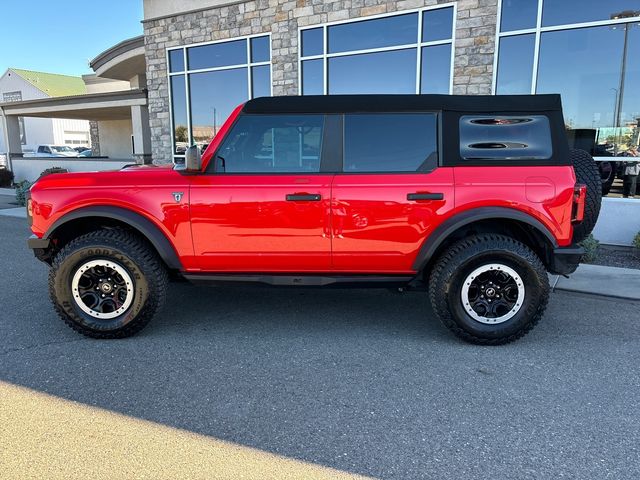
598,280
19,212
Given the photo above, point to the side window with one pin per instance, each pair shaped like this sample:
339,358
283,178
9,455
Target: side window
272,144
485,137
394,142
41,149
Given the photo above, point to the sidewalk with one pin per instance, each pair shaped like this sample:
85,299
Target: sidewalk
8,191
599,280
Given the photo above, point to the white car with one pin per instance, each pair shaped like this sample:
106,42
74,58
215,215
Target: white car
55,151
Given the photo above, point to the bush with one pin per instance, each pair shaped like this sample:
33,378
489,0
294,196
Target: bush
590,245
6,178
22,188
51,170
636,244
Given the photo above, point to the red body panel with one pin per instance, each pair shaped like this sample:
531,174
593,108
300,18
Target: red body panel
375,227
244,223
545,193
147,191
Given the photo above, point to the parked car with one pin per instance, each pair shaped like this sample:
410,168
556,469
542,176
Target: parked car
81,149
427,192
86,153
55,151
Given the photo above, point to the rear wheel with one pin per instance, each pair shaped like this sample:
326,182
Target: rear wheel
489,289
107,284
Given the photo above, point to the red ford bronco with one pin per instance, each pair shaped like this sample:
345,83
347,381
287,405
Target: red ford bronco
471,198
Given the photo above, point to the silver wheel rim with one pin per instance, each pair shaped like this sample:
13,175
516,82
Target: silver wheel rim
492,293
102,289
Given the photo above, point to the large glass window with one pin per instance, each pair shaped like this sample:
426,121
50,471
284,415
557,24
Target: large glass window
393,142
400,53
272,144
586,51
208,81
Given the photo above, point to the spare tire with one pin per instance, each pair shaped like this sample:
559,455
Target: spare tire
588,174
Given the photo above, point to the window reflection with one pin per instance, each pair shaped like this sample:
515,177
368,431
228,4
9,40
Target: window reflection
214,95
176,60
390,143
214,89
437,24
260,49
383,72
217,55
518,15
312,42
436,69
312,81
377,33
179,109
560,12
515,64
261,80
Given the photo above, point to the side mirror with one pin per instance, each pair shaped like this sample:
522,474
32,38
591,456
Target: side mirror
192,159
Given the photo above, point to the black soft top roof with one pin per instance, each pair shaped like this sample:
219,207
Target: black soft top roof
404,103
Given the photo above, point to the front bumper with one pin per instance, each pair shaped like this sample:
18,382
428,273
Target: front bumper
40,247
565,260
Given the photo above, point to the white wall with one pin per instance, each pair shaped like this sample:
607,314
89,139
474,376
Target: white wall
115,138
160,8
37,130
619,221
31,168
64,129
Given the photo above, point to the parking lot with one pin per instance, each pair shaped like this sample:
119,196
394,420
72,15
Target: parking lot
361,381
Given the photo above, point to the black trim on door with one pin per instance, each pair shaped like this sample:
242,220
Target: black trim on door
331,160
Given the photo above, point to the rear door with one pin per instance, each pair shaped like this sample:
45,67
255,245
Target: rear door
391,193
264,208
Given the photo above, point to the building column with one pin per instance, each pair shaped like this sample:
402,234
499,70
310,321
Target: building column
141,134
12,137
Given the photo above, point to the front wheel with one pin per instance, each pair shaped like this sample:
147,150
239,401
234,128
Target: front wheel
489,289
107,284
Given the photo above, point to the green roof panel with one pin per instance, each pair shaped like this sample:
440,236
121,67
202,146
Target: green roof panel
53,84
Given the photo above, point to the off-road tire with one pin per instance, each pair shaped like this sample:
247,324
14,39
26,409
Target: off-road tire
459,260
129,251
587,173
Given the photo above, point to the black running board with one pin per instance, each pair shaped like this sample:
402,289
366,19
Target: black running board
300,280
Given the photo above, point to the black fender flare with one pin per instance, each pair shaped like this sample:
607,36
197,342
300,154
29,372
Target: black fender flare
143,225
442,232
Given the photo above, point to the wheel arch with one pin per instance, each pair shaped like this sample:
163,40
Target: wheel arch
87,219
522,226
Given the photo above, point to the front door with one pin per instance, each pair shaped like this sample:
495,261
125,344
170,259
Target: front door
264,207
390,194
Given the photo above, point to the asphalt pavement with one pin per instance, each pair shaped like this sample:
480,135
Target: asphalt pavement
359,381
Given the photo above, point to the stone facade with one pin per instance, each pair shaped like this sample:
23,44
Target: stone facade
474,43
94,134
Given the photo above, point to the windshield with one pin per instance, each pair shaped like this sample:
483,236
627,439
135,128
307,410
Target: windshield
61,149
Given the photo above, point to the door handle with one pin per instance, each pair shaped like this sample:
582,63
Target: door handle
303,197
425,196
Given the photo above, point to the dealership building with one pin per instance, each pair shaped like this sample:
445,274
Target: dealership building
200,58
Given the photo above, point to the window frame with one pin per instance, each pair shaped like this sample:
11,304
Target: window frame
248,65
537,31
418,45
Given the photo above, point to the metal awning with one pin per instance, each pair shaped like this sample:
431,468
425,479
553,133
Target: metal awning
94,106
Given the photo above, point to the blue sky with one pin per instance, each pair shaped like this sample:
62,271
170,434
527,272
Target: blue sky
62,36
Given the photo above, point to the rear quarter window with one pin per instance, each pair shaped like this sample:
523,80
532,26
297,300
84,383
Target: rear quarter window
491,137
